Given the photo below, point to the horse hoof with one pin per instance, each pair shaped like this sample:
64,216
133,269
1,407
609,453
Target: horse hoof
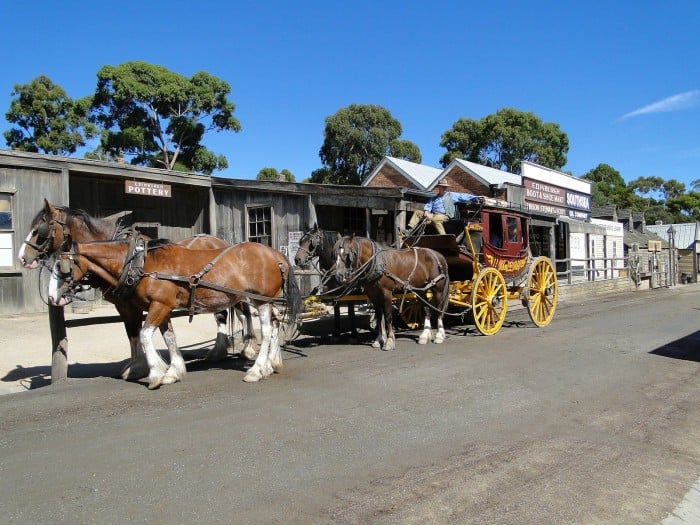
134,373
215,354
375,344
422,341
252,377
250,353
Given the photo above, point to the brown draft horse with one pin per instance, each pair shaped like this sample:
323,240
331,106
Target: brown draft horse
54,226
384,271
172,276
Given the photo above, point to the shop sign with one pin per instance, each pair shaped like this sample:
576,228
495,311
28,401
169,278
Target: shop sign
149,189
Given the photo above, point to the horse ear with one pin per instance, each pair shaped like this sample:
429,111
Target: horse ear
50,210
352,236
315,228
338,236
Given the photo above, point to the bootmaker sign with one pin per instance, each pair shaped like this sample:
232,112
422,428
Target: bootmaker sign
149,189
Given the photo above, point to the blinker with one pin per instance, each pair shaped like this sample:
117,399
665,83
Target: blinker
65,265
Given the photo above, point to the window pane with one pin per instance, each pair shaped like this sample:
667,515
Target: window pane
5,211
260,225
6,252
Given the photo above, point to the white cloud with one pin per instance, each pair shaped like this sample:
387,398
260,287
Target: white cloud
678,102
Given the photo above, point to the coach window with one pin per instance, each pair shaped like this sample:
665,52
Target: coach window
6,230
260,225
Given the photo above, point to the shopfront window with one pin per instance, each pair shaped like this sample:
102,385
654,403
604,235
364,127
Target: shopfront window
260,225
6,230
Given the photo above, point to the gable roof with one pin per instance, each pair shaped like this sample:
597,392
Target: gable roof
484,174
684,237
419,174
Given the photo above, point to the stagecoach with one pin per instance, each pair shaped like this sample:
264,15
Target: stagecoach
490,263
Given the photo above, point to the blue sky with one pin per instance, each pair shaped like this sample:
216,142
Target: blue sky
621,78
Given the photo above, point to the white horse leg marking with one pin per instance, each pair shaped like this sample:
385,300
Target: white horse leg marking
440,335
250,344
177,370
155,376
427,330
275,350
390,339
257,371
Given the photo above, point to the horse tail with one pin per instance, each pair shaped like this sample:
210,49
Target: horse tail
442,265
294,300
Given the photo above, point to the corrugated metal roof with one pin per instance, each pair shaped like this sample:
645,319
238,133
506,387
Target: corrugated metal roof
488,175
641,239
685,235
419,174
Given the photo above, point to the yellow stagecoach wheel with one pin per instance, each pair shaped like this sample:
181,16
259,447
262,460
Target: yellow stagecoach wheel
542,283
413,314
489,301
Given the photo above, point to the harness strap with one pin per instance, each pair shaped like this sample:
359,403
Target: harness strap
194,280
217,287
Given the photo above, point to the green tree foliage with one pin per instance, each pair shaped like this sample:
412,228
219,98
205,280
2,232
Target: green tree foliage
47,119
504,139
272,174
608,187
158,118
356,139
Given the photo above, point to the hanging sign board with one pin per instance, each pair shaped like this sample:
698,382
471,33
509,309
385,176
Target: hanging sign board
149,189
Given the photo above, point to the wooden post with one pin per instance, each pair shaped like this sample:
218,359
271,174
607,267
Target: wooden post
59,344
336,319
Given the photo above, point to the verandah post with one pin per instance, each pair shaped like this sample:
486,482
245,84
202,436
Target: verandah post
59,344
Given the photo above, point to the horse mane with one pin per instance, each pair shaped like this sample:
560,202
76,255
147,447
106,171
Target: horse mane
93,224
152,244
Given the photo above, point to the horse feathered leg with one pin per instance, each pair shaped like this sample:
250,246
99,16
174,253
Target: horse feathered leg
177,370
222,344
275,350
155,375
262,367
250,343
137,367
426,334
390,342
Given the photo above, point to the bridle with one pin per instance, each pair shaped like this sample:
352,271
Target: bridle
63,268
314,243
44,233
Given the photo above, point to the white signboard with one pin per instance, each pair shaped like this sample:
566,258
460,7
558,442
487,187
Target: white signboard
294,238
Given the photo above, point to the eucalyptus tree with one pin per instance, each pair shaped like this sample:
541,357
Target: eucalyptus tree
158,118
355,140
505,138
46,119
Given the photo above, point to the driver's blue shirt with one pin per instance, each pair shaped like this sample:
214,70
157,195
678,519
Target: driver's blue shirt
437,203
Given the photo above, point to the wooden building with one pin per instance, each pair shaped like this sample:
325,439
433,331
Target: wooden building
175,205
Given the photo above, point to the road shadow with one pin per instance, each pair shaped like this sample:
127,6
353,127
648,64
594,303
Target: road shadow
686,348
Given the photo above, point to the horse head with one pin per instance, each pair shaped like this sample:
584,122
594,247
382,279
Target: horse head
347,256
308,247
48,234
66,275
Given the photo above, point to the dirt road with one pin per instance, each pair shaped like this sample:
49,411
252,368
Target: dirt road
593,419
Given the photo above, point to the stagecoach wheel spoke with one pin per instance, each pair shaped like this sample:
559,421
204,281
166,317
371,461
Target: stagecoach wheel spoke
542,283
489,301
413,314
